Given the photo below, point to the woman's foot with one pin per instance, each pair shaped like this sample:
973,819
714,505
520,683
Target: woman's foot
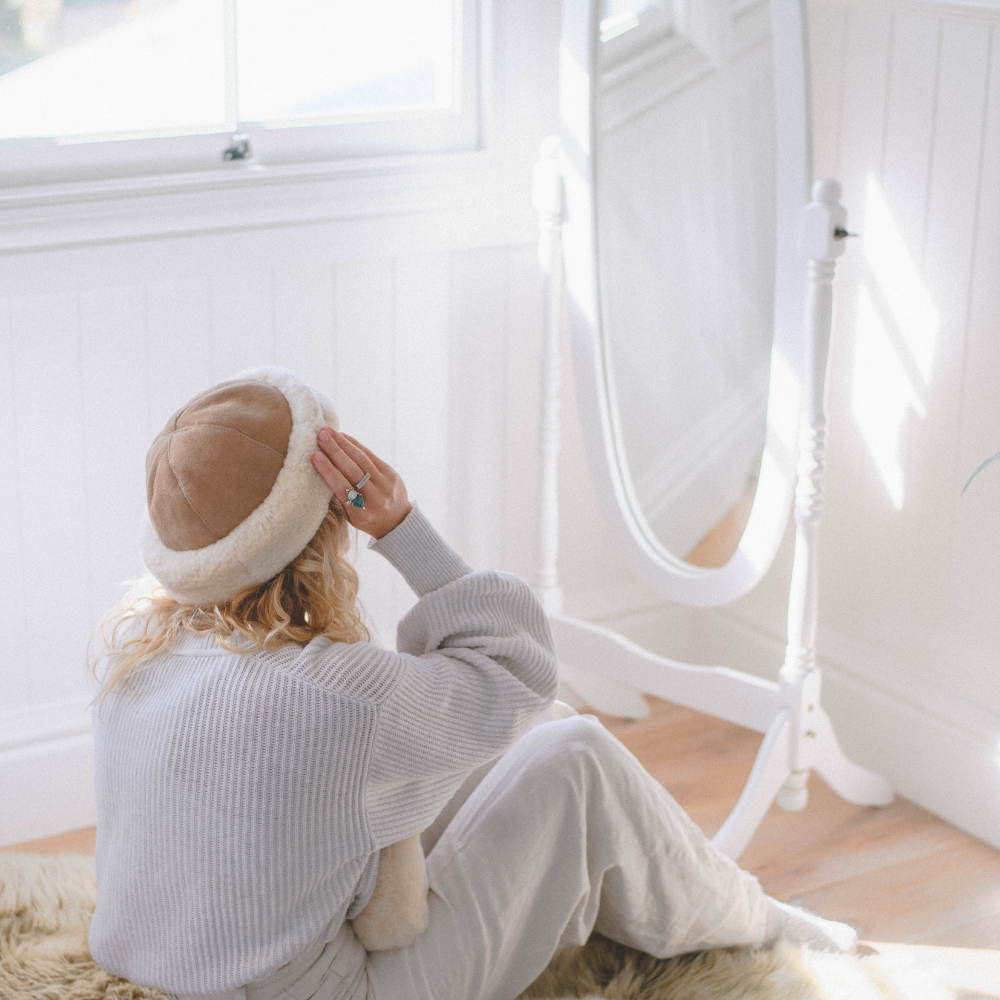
801,927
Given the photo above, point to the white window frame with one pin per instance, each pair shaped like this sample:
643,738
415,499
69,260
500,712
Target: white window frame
633,37
275,147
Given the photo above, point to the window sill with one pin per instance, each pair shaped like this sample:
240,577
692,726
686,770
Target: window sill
247,196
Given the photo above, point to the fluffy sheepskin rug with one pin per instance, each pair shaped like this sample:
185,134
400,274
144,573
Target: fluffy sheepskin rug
605,969
46,903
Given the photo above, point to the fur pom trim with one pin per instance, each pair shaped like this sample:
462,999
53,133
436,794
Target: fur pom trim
397,913
276,532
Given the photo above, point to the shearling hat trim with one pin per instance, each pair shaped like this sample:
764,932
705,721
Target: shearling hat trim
276,531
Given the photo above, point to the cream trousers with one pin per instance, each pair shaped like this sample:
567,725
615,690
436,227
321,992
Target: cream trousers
566,834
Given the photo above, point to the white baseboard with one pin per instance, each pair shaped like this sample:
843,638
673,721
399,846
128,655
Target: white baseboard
47,788
52,720
46,771
933,755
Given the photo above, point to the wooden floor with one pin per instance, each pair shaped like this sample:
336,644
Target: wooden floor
897,874
716,548
81,841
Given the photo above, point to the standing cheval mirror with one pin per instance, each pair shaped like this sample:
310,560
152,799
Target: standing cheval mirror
684,240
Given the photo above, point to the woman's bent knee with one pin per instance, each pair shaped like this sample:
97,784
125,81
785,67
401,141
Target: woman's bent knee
567,746
579,731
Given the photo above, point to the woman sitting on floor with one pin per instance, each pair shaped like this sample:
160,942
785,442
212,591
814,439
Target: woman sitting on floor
255,751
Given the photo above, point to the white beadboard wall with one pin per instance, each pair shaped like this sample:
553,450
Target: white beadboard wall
907,116
424,353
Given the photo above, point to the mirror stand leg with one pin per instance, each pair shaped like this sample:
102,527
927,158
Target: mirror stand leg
793,796
769,773
813,743
850,781
801,738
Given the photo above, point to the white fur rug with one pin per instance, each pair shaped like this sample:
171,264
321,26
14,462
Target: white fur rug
46,903
603,970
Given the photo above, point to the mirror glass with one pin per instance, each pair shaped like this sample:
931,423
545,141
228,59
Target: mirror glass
684,156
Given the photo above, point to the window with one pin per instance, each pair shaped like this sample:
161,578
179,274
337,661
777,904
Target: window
630,26
86,83
619,16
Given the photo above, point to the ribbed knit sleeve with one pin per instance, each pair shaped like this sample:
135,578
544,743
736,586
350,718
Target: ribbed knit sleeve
477,664
425,559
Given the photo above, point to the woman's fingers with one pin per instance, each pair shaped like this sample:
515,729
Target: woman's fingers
375,460
331,475
357,453
360,517
336,449
343,462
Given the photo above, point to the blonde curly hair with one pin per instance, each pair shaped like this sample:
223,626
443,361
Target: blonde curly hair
314,595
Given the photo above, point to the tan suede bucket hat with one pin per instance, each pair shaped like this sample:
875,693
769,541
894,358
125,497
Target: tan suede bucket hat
232,493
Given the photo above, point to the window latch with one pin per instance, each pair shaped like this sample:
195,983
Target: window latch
240,149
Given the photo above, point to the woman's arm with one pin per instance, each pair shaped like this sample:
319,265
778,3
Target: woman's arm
476,661
476,666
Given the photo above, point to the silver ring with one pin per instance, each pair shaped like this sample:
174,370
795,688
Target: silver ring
364,479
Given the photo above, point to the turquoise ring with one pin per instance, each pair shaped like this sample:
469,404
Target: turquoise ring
353,496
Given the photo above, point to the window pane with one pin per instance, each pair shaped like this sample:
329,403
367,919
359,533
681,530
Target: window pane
112,67
314,59
619,16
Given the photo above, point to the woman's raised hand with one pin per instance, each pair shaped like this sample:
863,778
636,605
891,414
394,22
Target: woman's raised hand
343,462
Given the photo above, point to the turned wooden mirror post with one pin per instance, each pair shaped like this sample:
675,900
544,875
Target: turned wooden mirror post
605,669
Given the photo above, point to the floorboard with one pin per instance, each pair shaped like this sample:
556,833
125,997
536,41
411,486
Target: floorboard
76,841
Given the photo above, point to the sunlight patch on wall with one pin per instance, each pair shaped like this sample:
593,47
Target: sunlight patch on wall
882,397
900,281
895,337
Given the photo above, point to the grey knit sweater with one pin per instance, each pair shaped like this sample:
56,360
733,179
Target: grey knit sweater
242,798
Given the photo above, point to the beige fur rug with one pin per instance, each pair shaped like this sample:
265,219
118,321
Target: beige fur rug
46,903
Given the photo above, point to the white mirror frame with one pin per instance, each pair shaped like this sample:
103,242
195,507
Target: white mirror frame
599,667
579,99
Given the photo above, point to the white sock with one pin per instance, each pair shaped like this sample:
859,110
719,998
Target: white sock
801,927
